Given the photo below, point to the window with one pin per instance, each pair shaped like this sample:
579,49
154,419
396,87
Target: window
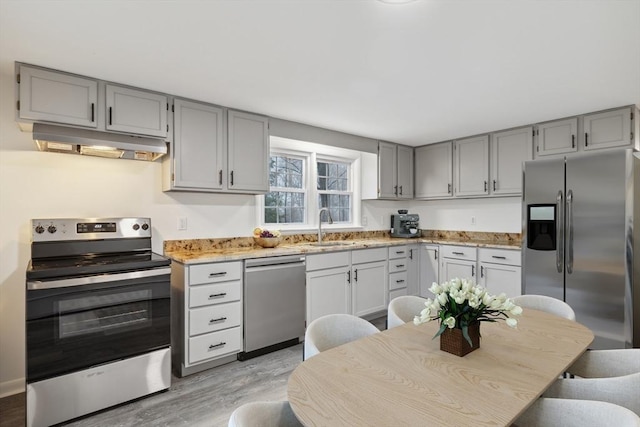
285,203
334,189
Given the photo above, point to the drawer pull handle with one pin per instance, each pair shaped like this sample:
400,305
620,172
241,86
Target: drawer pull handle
399,265
219,319
222,273
458,253
400,281
498,257
212,346
399,252
222,294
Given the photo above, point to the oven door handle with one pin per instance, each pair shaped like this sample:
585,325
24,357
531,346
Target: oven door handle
35,285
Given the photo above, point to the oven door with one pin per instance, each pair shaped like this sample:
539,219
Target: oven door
76,323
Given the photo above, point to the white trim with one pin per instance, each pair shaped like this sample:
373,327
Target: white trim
11,387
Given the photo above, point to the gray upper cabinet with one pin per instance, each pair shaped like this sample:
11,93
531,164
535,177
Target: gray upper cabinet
557,137
197,149
608,129
57,97
395,171
136,111
434,171
509,149
471,166
248,145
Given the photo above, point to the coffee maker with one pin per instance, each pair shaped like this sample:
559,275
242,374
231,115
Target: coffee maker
405,224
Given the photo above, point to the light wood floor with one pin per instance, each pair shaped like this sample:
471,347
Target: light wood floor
204,399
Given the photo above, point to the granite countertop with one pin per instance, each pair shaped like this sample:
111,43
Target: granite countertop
198,251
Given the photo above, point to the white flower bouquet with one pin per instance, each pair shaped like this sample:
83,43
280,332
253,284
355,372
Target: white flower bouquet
460,302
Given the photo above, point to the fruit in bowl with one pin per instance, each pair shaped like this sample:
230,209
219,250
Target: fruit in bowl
267,238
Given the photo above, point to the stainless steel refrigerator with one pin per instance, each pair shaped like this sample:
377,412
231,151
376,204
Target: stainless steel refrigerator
578,233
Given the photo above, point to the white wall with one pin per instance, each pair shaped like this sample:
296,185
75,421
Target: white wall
48,185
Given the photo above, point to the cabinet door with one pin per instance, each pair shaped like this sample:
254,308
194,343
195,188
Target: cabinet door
451,268
471,166
434,171
557,137
57,97
405,172
499,278
369,289
197,146
508,150
387,170
608,129
429,269
136,111
413,270
328,292
248,145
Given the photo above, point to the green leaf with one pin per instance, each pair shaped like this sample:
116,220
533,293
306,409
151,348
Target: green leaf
440,331
465,334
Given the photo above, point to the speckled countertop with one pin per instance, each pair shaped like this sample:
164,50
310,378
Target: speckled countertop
196,251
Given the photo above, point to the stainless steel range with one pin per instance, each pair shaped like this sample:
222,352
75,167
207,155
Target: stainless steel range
97,317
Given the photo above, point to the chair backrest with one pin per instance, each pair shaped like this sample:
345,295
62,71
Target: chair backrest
403,309
607,363
333,330
576,413
545,303
623,391
264,414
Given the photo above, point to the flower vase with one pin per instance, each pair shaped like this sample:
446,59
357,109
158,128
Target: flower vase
452,341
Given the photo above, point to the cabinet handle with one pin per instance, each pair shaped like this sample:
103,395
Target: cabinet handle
399,265
355,275
222,294
498,257
222,273
448,188
400,281
231,177
473,270
212,346
485,186
401,190
395,190
573,141
586,139
399,252
220,177
219,319
481,271
110,115
93,112
458,253
494,185
410,253
435,254
349,276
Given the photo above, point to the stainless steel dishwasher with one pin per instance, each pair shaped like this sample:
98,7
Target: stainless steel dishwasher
274,304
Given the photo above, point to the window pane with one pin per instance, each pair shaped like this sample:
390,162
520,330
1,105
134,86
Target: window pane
322,169
322,183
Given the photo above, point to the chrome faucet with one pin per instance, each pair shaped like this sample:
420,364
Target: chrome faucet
320,222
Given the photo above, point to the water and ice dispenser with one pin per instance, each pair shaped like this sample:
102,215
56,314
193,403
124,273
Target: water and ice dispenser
541,227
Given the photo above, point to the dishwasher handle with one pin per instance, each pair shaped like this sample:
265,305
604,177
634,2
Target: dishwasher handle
262,264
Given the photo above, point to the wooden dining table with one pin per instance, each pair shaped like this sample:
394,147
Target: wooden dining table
400,377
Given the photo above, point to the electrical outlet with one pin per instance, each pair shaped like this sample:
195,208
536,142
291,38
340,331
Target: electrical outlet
365,221
473,220
182,223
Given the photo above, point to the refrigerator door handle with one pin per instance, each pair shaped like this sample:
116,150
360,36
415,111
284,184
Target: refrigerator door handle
559,232
570,232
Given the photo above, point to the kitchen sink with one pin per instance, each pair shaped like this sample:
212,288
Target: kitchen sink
332,243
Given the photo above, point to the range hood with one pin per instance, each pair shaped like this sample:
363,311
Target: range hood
62,139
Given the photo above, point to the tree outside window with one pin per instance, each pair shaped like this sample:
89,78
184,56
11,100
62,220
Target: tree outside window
285,203
334,189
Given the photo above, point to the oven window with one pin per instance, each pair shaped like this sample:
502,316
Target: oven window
104,313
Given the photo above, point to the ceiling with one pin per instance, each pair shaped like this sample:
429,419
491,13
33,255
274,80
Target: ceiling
417,73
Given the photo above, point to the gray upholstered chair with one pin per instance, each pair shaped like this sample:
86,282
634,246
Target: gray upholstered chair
547,412
607,363
403,309
623,391
264,414
545,303
333,330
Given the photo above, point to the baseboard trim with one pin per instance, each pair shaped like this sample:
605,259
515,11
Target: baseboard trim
8,388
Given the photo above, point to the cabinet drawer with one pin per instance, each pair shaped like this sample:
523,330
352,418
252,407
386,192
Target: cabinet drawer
215,294
398,280
215,344
397,252
368,255
397,265
214,318
500,256
398,293
458,252
215,272
329,260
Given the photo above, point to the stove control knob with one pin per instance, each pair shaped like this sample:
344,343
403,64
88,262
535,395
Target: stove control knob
52,229
39,229
136,227
145,226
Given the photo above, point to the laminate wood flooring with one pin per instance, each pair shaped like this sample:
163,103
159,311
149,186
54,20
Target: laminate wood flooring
204,399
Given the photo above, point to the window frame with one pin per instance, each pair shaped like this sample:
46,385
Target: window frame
305,188
333,159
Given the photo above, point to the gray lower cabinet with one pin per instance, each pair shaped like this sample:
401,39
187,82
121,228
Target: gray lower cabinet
206,315
398,267
136,111
457,262
57,97
429,268
500,271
